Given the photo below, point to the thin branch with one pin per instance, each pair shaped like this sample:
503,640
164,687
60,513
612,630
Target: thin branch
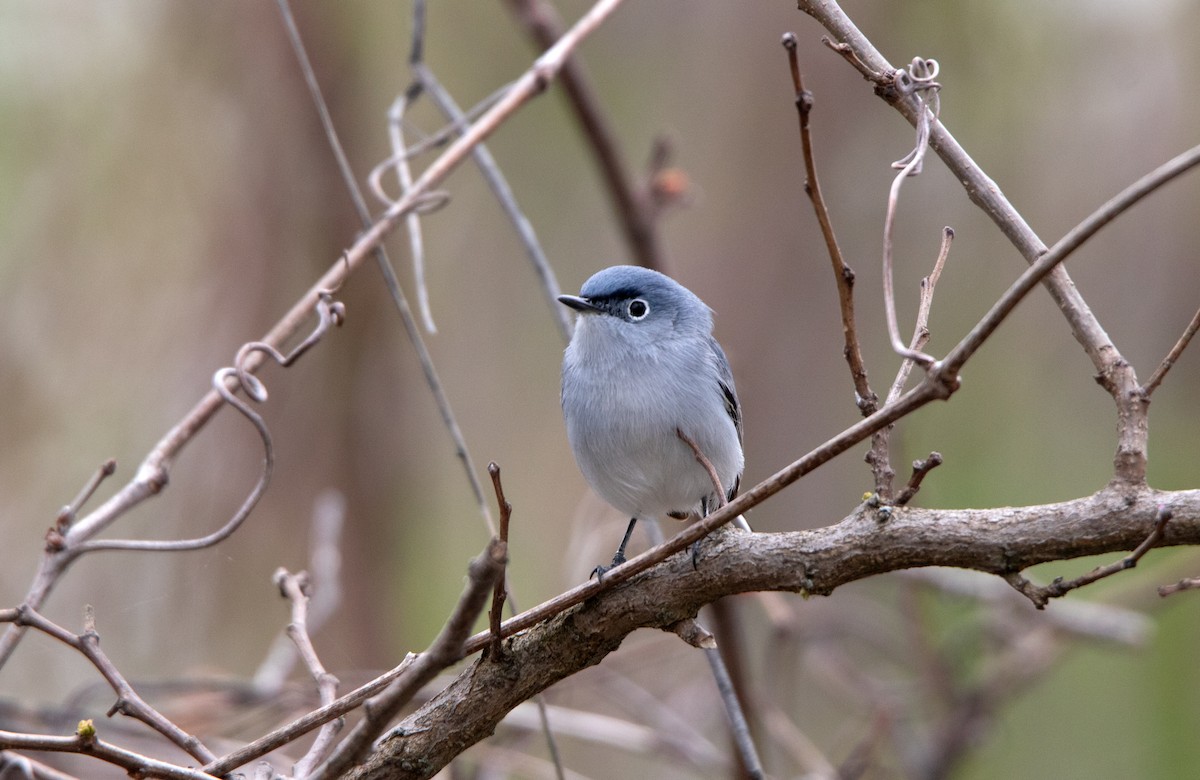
496,614
295,588
843,275
91,745
412,223
920,335
129,702
66,515
324,567
738,726
1041,595
706,464
1160,373
1190,583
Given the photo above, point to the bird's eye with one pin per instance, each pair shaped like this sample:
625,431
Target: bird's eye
638,309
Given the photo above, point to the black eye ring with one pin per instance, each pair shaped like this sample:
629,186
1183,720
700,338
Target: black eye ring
638,309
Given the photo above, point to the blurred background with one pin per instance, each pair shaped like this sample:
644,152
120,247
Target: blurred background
166,193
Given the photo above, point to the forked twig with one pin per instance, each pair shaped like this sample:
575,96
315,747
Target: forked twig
129,702
295,588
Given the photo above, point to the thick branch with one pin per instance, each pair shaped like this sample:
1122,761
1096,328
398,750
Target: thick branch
811,562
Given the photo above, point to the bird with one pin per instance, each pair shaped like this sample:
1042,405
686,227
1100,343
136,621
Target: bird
642,371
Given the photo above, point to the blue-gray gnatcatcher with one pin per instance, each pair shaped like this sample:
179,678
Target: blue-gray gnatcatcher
642,372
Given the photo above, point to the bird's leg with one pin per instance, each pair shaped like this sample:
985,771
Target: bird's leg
619,557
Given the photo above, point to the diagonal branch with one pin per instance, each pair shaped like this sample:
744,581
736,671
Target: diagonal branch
153,473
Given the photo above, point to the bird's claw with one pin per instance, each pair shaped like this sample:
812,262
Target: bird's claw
600,571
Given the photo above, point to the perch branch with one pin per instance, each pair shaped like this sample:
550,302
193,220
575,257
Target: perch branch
814,562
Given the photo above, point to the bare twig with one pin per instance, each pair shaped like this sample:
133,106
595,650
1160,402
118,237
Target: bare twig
865,397
496,614
703,460
295,588
66,515
324,567
129,702
412,223
921,468
87,743
1041,595
738,726
1190,583
1161,372
920,335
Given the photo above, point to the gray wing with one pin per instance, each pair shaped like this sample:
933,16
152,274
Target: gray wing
728,390
732,406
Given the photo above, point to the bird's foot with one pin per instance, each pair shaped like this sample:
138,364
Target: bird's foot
600,571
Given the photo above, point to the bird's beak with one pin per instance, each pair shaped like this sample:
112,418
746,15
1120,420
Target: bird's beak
581,305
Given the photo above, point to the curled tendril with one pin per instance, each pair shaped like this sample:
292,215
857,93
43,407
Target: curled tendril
920,81
424,203
220,379
330,313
